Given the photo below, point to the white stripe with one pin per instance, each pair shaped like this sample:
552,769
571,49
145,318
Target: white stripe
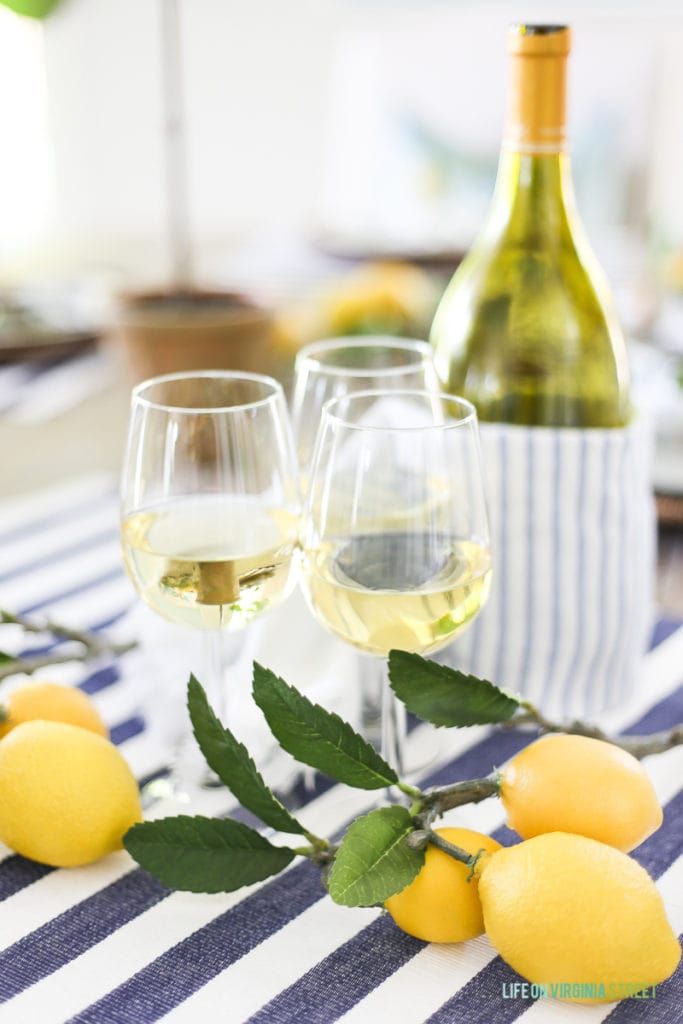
45,543
40,504
36,586
590,692
58,891
541,610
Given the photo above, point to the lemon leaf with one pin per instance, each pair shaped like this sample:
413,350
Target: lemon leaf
444,696
198,854
317,737
231,762
374,861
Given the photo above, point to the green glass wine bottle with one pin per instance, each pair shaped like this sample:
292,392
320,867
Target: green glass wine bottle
526,328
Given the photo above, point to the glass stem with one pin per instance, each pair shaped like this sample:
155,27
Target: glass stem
212,669
394,727
220,651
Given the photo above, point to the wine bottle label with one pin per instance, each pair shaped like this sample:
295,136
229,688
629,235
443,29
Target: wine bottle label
535,121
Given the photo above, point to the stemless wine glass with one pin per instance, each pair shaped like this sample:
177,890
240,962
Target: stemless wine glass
395,537
210,507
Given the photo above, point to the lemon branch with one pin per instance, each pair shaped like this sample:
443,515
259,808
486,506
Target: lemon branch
91,646
437,801
638,746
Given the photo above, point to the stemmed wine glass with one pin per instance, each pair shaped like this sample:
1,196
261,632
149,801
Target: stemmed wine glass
337,366
334,367
210,508
394,534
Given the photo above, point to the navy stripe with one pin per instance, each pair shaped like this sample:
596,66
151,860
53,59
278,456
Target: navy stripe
100,679
76,930
16,873
663,715
343,978
663,849
80,588
38,564
664,1008
127,730
480,1000
664,628
188,966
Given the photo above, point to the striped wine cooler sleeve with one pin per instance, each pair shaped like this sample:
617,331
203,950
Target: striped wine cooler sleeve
573,545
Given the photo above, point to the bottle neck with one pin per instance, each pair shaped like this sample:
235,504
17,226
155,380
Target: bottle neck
533,195
536,111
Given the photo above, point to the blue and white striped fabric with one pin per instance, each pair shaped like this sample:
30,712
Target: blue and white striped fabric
573,552
107,944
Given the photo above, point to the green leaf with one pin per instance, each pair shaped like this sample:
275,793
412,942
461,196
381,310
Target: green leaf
318,737
231,762
200,854
444,696
374,861
5,658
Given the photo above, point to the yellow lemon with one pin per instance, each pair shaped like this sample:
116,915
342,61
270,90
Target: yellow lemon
67,796
440,905
563,910
53,703
564,783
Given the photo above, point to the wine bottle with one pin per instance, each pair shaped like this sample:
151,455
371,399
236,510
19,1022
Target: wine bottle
526,328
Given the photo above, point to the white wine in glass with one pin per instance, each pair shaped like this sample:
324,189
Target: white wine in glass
395,536
210,508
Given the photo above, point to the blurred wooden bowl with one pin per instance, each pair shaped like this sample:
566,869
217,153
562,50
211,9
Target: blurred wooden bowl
183,330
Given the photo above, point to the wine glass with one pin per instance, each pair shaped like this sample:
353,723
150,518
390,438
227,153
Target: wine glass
394,534
335,367
210,510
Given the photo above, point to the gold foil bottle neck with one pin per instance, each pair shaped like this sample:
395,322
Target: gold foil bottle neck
536,106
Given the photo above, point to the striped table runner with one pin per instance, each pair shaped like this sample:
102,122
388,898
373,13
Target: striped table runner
107,944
